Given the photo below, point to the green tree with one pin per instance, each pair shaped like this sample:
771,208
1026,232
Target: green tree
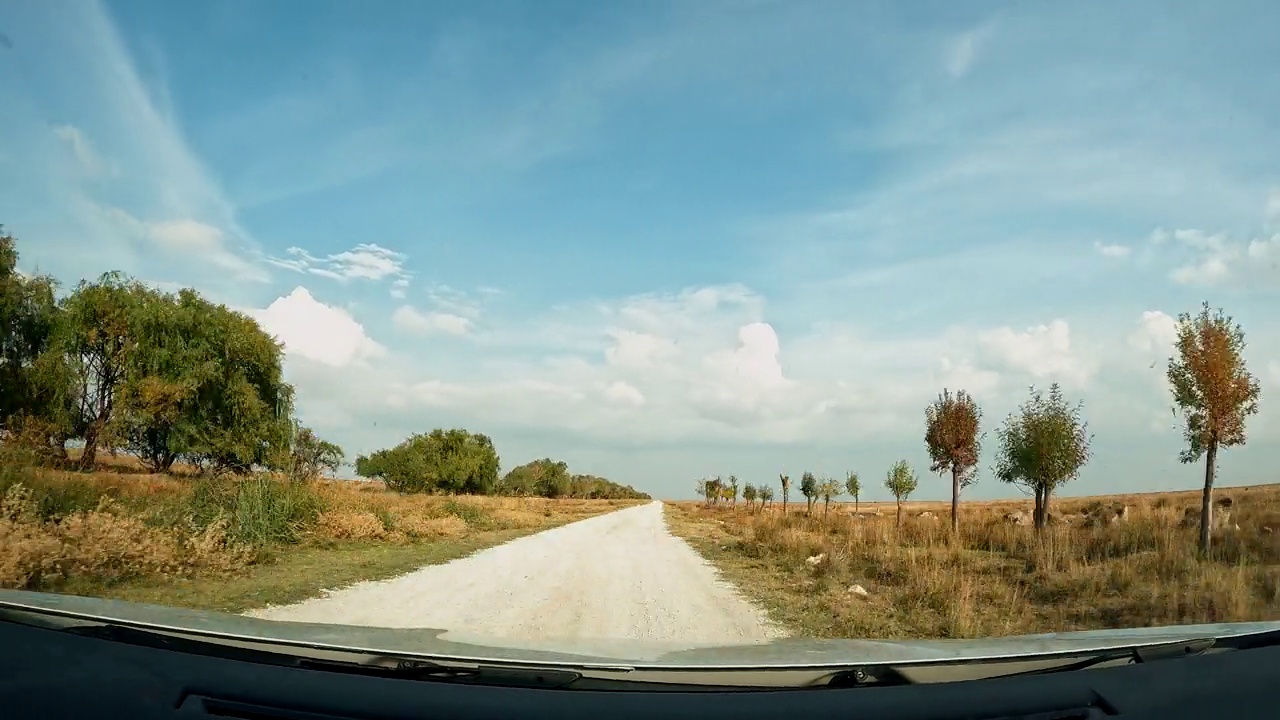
96,334
733,489
901,482
1215,393
35,381
786,490
309,456
853,485
749,494
766,495
809,488
546,478
828,489
1043,445
443,461
951,434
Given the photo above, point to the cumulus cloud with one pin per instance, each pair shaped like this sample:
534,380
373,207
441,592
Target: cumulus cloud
1043,351
1156,332
411,320
366,261
631,349
318,332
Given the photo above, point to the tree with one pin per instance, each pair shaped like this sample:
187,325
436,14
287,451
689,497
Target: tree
749,494
853,486
545,478
96,333
733,489
1215,393
951,433
766,495
786,490
309,456
443,461
828,489
900,481
35,381
809,488
1043,445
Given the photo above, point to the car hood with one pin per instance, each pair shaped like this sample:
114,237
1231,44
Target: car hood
452,644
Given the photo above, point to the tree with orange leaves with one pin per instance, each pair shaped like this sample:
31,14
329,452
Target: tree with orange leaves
1215,393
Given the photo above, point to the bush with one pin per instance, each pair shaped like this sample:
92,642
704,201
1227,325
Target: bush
260,510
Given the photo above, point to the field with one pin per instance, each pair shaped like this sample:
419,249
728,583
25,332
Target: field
233,544
857,575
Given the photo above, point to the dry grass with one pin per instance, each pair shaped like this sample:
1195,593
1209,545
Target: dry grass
997,578
122,532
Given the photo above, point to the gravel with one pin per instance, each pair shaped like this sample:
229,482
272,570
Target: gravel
622,575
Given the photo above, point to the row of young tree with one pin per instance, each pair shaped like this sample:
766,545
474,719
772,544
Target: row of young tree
456,461
117,365
1045,442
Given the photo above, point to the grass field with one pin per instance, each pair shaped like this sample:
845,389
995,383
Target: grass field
998,578
233,544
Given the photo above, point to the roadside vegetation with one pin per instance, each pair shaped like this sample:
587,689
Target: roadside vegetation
995,569
149,450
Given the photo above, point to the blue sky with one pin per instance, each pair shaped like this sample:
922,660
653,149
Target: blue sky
667,240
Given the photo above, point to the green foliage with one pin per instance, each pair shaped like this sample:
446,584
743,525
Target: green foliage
827,489
262,510
308,456
443,461
809,488
853,485
749,494
765,493
901,481
1043,445
28,314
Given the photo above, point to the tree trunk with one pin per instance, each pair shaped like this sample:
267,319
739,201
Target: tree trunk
1038,515
826,506
89,457
898,521
1206,500
855,503
1044,508
955,500
785,494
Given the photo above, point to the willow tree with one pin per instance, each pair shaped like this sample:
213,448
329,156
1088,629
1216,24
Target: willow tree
1043,445
951,433
1215,393
901,482
853,485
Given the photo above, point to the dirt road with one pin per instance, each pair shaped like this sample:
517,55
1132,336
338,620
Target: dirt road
620,575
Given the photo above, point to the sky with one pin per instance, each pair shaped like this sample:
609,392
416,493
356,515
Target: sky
663,241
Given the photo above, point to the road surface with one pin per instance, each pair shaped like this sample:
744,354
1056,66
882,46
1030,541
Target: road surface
619,575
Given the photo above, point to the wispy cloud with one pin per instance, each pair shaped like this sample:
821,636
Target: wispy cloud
366,261
963,51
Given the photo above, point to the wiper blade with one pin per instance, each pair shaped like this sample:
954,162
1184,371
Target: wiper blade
425,670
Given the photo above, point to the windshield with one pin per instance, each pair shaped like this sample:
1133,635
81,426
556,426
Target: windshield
626,328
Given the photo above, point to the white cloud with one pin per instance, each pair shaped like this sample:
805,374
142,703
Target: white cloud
623,393
1113,251
86,157
366,261
1043,351
315,331
632,349
1156,332
184,238
398,288
411,320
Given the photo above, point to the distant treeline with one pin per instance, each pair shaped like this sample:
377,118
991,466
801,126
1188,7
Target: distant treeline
457,461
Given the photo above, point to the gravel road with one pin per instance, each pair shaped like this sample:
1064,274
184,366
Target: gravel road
619,575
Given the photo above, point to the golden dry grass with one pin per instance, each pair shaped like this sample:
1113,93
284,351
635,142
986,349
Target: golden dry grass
997,578
106,532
